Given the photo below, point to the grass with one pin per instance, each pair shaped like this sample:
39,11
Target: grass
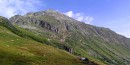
97,50
17,50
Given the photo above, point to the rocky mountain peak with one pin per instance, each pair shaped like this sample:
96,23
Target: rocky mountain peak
41,13
50,12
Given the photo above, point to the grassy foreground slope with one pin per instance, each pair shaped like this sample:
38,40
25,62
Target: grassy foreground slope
15,50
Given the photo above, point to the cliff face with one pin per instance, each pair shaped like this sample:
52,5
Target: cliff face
85,40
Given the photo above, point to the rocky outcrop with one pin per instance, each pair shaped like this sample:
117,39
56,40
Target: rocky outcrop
47,26
27,21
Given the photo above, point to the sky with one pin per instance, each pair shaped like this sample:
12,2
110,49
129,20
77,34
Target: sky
113,14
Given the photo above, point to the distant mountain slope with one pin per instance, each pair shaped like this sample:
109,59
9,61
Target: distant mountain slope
18,47
84,39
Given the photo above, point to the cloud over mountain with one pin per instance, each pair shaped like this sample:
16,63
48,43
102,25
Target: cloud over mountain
13,7
80,17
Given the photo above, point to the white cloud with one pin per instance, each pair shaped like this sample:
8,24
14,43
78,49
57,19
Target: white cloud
12,7
80,17
70,13
125,32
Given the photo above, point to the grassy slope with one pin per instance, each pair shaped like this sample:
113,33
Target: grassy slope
107,52
97,48
15,50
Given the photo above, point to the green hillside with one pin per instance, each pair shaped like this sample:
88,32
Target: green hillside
20,49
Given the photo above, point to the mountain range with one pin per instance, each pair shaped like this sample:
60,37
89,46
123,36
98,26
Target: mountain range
46,37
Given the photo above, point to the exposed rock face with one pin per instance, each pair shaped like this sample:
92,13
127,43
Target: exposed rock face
84,39
48,26
32,21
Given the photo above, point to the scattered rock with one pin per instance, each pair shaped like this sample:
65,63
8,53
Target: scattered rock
12,40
